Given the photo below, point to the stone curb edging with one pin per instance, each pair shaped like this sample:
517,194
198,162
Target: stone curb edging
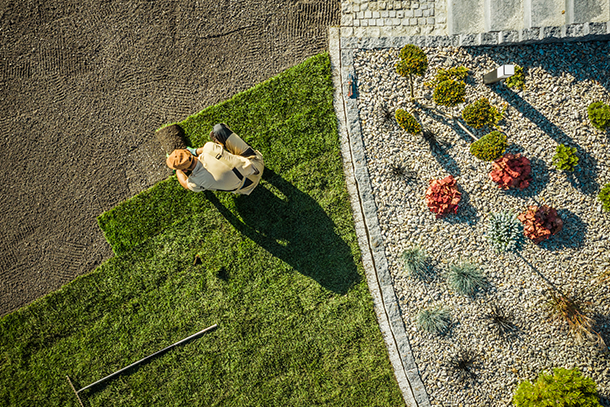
538,35
368,232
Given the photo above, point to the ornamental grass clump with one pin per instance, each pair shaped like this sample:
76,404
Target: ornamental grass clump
572,311
413,61
604,197
462,365
442,196
564,388
449,93
599,115
504,231
407,121
433,320
511,171
490,147
481,113
540,222
415,261
501,321
565,158
465,278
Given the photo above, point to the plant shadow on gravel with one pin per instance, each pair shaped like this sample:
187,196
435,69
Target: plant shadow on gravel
540,175
586,177
295,229
571,236
577,65
466,213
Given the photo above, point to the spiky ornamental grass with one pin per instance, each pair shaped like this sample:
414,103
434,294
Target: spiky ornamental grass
465,278
571,310
504,231
462,365
500,320
415,262
433,320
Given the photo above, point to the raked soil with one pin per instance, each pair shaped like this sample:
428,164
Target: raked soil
85,84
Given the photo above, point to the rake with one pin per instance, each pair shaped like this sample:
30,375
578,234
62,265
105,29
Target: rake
110,376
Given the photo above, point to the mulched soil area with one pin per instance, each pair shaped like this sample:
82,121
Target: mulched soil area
84,84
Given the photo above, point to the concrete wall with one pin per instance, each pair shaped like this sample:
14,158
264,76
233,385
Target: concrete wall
465,16
503,15
544,13
587,11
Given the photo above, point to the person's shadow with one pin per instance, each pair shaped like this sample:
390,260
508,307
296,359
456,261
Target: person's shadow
294,228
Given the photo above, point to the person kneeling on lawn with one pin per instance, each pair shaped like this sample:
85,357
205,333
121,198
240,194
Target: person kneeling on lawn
226,164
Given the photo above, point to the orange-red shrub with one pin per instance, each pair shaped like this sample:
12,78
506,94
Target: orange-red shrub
540,223
442,196
511,171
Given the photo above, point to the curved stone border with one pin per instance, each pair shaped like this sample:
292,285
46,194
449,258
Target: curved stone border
565,33
367,229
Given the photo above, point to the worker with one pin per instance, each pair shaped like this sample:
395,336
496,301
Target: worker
226,163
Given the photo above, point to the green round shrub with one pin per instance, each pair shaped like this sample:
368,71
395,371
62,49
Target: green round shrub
407,121
599,115
565,158
604,197
449,93
490,147
564,388
517,80
413,61
481,113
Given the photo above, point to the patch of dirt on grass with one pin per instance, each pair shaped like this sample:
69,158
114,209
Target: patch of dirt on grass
84,86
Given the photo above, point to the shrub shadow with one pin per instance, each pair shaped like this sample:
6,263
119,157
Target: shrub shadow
587,183
539,181
571,236
296,230
466,213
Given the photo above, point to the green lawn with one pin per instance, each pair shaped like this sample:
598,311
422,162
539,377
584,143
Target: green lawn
281,276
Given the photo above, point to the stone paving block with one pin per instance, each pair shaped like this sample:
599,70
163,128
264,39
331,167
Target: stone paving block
430,21
528,35
348,42
376,14
550,34
347,20
468,40
356,23
508,37
597,28
384,14
418,13
380,22
488,38
400,14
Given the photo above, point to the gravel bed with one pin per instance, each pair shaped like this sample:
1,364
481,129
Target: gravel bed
561,81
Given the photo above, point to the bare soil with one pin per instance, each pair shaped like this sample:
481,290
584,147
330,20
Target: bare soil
84,84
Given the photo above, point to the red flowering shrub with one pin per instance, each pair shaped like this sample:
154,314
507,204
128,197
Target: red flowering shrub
511,171
442,196
540,223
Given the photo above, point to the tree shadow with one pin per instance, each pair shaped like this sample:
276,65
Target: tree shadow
586,177
439,152
295,229
575,60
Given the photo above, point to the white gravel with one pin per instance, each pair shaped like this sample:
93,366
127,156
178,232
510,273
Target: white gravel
561,81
